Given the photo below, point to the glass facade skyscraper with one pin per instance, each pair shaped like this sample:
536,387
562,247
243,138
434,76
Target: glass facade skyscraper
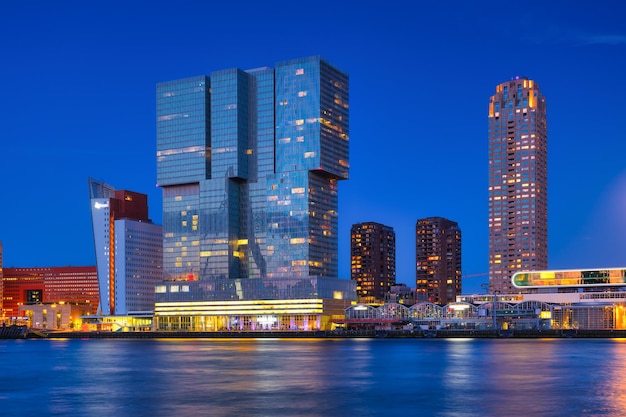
518,182
248,162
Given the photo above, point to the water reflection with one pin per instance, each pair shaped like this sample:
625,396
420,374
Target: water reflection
366,377
612,385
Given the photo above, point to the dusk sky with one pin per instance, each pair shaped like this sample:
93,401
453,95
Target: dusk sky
77,100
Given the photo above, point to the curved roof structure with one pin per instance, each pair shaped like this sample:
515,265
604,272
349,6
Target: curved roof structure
606,277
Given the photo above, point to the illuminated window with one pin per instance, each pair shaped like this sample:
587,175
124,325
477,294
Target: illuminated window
300,71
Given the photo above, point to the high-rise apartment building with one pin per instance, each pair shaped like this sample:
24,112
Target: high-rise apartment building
438,260
518,182
372,260
128,248
249,163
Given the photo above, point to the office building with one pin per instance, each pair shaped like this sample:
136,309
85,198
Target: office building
372,260
518,180
128,250
76,285
249,164
438,260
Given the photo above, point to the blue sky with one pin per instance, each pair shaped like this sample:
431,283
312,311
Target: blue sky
77,85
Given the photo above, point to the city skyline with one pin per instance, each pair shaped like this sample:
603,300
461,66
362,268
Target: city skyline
80,87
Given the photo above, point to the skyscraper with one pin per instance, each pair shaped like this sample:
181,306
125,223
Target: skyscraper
438,260
518,180
249,163
128,250
372,260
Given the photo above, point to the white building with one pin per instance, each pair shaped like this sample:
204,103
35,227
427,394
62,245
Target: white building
129,250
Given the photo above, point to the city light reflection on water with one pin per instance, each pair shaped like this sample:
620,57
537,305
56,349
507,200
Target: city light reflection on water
314,377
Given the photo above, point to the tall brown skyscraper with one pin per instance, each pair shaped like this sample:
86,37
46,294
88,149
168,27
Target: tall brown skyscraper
438,260
373,260
518,182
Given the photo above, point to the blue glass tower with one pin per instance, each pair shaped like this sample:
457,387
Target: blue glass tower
248,162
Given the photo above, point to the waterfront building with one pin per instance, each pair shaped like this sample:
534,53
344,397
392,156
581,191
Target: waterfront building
128,250
76,285
249,162
51,316
587,299
222,304
518,180
437,260
372,260
568,299
2,315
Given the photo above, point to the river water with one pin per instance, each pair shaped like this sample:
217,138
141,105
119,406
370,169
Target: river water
313,377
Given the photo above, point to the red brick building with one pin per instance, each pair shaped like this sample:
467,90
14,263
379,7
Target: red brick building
69,284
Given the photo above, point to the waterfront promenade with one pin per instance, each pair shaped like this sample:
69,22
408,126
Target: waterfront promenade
378,334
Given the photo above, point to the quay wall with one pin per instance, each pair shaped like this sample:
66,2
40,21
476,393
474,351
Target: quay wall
424,334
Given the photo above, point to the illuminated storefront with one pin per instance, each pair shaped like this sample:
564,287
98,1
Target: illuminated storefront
298,304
